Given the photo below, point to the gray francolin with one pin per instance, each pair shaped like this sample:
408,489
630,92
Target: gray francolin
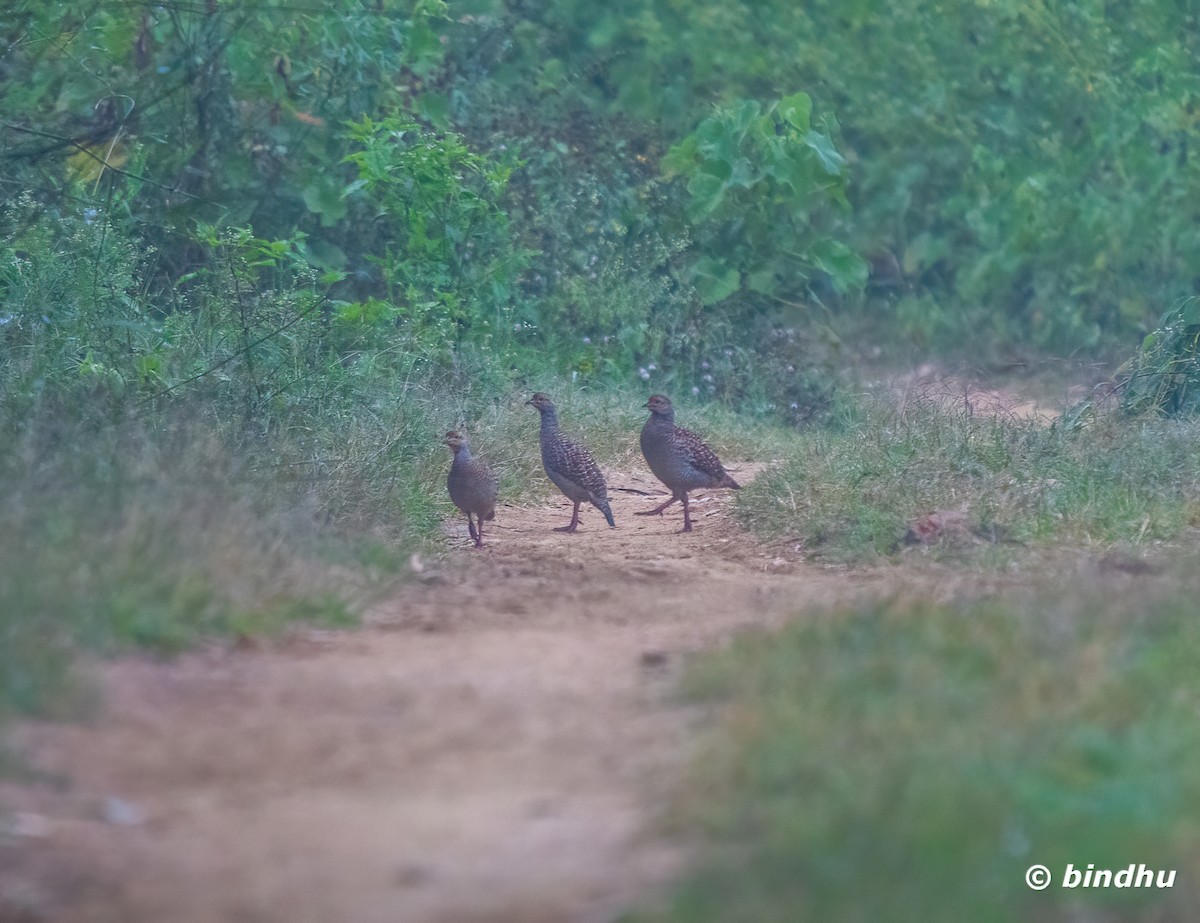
472,484
679,458
570,465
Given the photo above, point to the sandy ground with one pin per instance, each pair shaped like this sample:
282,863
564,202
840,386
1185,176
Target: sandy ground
492,746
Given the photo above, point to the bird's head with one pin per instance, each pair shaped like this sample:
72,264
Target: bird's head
659,403
541,401
454,440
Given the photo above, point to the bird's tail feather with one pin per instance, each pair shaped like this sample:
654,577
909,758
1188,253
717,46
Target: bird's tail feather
729,482
604,508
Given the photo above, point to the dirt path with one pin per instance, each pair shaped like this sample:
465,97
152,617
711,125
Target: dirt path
490,748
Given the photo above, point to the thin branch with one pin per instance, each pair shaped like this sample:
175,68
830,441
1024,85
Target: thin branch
100,160
230,358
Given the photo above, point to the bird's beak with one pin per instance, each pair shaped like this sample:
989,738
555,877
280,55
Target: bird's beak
529,402
646,405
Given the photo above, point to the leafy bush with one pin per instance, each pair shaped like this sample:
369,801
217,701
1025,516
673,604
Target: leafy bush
1164,375
761,180
229,113
448,266
1028,168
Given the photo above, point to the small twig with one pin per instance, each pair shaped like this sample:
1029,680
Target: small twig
212,368
100,160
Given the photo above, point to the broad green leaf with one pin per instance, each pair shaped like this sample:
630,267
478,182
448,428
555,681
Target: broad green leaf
435,107
824,148
847,271
324,255
715,140
796,110
743,118
713,280
765,281
707,194
681,158
324,198
1189,313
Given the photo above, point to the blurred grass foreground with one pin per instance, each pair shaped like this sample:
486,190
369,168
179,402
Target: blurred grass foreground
909,762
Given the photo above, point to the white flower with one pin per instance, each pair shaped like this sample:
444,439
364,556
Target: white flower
695,390
643,374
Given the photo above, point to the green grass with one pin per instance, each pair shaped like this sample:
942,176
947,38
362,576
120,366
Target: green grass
136,537
909,762
162,531
852,493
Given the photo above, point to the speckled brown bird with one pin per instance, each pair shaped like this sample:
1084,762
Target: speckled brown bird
472,484
570,465
679,458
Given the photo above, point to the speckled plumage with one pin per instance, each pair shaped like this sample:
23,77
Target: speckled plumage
570,465
679,458
473,485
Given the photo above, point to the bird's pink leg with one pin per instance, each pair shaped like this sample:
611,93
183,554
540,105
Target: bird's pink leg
574,521
479,536
657,511
471,528
687,519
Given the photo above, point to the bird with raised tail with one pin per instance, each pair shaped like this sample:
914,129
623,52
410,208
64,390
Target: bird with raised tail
473,485
570,465
679,458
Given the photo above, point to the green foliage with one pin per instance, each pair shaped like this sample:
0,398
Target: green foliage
1022,175
601,298
80,325
761,181
1024,172
854,493
1164,376
1161,379
448,264
178,118
911,762
230,111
